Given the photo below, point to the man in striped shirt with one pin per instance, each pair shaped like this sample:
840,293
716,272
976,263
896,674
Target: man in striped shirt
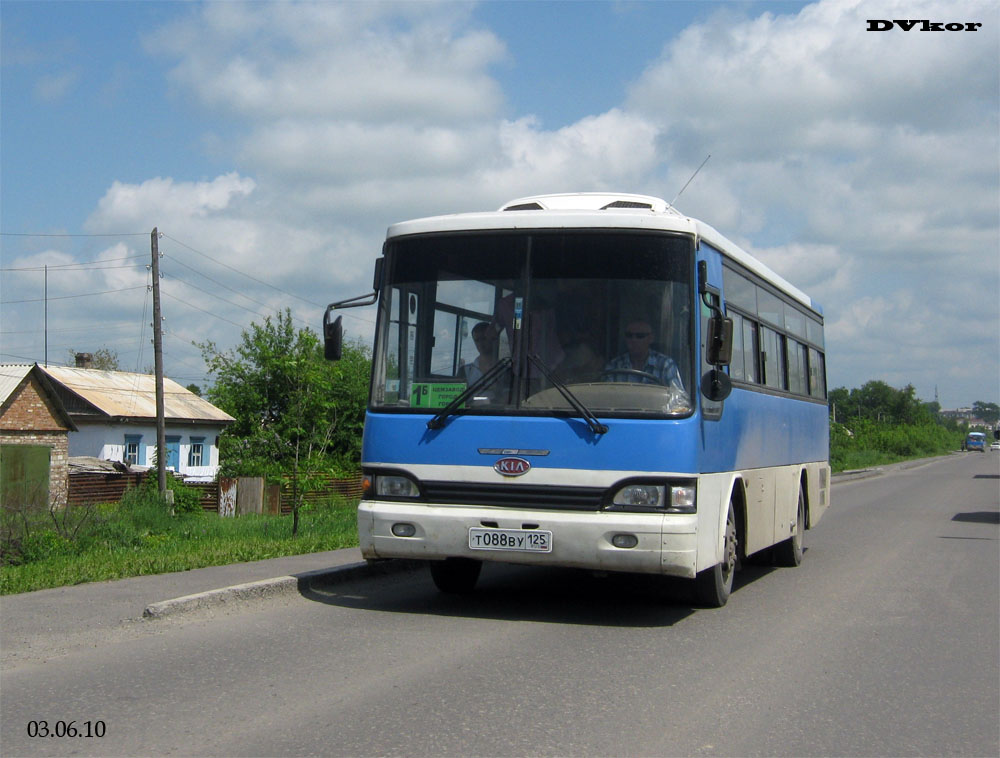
639,357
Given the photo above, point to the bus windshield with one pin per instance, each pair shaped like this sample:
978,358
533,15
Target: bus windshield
606,314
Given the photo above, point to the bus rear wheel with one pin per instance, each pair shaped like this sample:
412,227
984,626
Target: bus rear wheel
713,586
456,576
789,552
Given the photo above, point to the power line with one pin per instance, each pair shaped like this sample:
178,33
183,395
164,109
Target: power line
97,265
217,298
224,286
70,297
36,234
254,279
242,273
84,328
216,315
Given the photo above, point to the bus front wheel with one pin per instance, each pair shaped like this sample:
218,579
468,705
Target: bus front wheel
713,586
457,576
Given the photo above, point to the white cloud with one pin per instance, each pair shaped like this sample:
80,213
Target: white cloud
862,163
348,61
859,165
132,206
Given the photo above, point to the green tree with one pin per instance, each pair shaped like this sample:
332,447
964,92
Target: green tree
104,359
298,416
879,402
988,412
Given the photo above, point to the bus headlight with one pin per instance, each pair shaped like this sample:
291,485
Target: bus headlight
395,486
641,495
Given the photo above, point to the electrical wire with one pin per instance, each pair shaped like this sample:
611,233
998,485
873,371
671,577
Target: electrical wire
70,297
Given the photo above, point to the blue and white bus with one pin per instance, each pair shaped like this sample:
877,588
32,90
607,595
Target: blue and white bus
592,381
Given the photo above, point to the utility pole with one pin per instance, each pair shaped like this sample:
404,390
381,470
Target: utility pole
46,315
161,432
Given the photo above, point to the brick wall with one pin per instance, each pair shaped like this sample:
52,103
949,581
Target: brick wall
30,418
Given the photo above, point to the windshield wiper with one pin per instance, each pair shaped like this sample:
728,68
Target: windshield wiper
595,426
480,384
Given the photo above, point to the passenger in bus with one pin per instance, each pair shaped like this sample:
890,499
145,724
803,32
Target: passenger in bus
485,337
582,363
640,357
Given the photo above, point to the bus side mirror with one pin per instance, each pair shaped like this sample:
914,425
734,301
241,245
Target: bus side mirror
333,336
716,385
719,342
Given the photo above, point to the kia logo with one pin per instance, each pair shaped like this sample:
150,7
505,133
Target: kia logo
512,466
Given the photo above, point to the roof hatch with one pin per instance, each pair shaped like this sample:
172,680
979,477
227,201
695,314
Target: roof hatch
588,201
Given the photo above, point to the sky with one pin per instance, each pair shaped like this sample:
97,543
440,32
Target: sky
271,145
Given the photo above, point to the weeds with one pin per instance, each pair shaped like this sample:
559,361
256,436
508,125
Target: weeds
139,536
864,443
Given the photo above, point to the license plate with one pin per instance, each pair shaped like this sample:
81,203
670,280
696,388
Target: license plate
518,540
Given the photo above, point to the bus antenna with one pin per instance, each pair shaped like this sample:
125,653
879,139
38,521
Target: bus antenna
690,180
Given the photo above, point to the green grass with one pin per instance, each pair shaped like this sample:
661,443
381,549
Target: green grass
864,444
138,536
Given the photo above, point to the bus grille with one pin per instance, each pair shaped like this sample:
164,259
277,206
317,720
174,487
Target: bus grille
515,496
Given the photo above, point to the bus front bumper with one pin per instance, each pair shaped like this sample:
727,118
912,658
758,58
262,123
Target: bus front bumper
665,543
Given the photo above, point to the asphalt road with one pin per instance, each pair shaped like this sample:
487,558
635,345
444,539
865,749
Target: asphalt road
885,641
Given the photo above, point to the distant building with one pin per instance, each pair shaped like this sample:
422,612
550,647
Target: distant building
963,414
115,415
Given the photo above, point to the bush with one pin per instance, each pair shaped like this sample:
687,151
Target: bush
186,499
864,442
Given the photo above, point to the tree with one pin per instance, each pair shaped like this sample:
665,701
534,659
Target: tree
297,415
877,401
103,359
988,412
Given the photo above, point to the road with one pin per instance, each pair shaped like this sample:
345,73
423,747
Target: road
885,641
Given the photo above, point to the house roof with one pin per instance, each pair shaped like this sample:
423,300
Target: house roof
12,376
120,394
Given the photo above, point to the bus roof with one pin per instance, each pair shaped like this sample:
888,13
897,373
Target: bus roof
595,210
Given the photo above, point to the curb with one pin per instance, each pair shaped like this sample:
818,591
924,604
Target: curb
866,473
281,585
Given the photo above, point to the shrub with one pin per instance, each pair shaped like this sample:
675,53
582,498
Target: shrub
186,499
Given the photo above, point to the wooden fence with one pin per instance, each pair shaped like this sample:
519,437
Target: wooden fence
88,487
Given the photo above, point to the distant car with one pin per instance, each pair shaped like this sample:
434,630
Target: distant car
995,446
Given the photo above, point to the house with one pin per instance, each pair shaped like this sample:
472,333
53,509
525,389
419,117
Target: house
34,443
115,414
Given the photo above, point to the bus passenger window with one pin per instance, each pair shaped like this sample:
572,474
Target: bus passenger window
773,359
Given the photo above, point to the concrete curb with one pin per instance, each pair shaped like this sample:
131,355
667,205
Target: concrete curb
280,585
866,473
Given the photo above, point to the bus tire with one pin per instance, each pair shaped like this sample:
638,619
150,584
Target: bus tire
713,586
789,552
456,576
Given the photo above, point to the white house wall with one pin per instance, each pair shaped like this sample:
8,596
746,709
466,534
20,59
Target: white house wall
107,442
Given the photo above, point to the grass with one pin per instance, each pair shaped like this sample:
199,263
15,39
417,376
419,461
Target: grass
138,537
866,444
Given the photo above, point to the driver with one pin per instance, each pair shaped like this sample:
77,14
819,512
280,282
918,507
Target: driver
639,357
